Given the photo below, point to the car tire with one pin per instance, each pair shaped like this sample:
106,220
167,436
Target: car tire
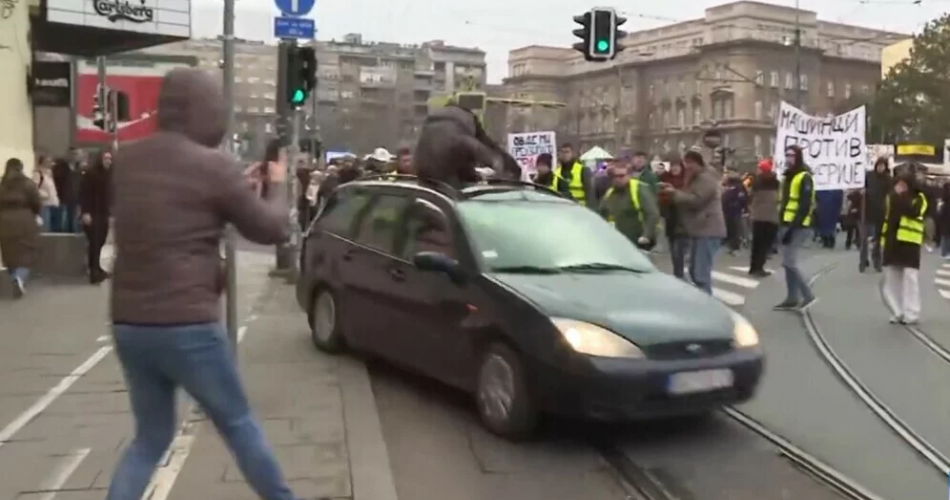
504,402
325,330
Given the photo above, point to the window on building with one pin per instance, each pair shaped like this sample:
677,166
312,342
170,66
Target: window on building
773,79
757,146
831,89
758,110
717,110
268,109
789,81
652,91
847,91
760,77
773,110
729,108
681,117
268,128
697,114
771,150
803,82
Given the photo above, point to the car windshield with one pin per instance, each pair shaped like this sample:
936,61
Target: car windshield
545,237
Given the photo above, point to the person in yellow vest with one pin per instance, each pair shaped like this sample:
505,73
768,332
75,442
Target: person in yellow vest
572,175
796,214
902,236
631,207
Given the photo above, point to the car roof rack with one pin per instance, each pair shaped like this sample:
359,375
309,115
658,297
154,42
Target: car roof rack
469,190
439,186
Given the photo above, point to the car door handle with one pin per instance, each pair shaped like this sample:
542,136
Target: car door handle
397,274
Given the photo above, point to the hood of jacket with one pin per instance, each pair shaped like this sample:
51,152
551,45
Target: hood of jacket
190,103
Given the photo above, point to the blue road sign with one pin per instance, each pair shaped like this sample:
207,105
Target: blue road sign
294,27
295,8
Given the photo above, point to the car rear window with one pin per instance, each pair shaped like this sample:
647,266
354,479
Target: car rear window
548,234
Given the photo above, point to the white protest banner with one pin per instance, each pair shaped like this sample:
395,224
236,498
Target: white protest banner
525,148
833,146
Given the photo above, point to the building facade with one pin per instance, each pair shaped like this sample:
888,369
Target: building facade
369,94
894,54
726,71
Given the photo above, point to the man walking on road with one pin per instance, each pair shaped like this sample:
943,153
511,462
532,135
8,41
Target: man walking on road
175,193
877,187
798,204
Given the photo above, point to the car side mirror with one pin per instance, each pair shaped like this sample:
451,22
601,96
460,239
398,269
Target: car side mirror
440,263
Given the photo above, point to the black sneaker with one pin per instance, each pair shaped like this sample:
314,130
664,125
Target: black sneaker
760,274
786,305
18,288
807,303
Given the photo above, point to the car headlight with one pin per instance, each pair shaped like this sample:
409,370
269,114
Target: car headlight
590,339
743,333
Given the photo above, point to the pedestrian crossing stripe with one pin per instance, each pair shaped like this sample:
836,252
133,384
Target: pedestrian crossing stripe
734,280
746,269
728,298
944,293
943,272
942,282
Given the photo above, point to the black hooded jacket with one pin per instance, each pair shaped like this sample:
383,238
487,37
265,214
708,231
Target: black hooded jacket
877,186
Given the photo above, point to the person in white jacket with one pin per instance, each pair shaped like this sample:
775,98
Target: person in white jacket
43,177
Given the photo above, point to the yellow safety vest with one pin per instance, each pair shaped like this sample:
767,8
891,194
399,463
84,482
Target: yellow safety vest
909,229
576,183
794,193
634,199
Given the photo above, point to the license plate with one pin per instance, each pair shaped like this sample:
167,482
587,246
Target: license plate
700,381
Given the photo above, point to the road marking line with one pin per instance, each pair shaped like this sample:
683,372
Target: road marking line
944,293
103,338
43,403
57,478
731,299
942,282
734,280
943,272
745,269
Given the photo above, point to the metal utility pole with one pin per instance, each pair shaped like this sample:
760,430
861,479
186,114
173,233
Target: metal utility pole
102,92
798,57
230,255
114,119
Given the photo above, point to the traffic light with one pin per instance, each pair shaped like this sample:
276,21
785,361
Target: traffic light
600,34
98,109
301,74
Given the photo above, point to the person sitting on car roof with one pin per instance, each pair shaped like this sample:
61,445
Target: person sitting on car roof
630,205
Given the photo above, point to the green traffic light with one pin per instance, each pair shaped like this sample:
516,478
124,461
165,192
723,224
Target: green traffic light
602,45
298,97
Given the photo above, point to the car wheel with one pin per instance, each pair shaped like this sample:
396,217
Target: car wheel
504,402
325,328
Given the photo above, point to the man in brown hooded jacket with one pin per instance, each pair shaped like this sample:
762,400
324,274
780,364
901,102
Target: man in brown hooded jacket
174,194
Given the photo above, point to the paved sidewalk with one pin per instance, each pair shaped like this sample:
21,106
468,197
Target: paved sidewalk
64,414
318,413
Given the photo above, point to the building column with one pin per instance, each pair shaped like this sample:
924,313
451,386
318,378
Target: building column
16,114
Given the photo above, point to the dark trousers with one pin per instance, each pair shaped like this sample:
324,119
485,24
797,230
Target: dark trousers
763,239
734,232
851,236
96,235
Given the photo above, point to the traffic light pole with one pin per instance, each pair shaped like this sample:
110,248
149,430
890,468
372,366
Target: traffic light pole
285,258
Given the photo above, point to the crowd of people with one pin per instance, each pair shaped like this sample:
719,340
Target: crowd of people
65,196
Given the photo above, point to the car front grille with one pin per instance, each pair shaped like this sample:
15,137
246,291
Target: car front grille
688,349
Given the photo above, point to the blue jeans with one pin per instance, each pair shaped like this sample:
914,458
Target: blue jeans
156,361
51,218
20,273
702,253
796,286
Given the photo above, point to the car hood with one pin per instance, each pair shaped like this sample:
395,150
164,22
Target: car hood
646,308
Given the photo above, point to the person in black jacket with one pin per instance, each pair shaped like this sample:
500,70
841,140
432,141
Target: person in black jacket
901,241
95,202
878,185
66,174
943,221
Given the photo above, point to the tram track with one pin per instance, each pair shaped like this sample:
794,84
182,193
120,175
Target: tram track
926,340
881,410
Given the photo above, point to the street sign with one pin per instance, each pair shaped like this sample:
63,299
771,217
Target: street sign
295,8
294,27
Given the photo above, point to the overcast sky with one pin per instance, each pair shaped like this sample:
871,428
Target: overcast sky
498,26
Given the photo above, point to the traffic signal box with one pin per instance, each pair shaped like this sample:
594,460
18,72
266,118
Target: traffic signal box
600,34
301,74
